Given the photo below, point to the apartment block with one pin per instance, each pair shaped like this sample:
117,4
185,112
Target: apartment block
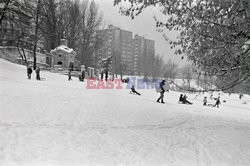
144,52
133,55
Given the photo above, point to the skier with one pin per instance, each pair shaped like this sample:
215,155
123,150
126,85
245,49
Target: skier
205,101
69,76
161,92
134,91
29,71
38,73
217,103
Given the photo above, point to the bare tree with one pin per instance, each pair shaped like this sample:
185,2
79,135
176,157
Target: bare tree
158,66
91,20
187,74
49,24
170,70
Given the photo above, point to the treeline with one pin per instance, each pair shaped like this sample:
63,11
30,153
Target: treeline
40,24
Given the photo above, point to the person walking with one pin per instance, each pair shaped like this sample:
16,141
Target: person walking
38,74
83,75
102,75
106,75
69,76
217,103
29,71
161,92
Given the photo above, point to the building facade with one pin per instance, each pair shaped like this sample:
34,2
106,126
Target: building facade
131,55
143,55
118,44
63,56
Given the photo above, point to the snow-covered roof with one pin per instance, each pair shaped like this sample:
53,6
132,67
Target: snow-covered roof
64,49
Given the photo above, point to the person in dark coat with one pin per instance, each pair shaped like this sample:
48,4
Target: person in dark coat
83,75
134,91
38,74
162,92
29,71
185,101
181,98
217,103
69,76
102,75
106,75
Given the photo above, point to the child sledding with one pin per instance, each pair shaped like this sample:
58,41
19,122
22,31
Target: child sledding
133,91
183,100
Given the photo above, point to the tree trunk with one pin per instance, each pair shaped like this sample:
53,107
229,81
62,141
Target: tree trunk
36,34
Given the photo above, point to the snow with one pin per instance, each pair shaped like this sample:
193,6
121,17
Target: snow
65,49
56,122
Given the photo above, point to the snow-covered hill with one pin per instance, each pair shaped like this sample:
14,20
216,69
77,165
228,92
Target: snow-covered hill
56,122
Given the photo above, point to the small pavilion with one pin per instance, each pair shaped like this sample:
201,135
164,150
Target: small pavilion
63,56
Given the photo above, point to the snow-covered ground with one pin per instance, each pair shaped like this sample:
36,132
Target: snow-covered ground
56,122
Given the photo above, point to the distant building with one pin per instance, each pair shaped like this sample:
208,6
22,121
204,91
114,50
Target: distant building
117,43
132,53
144,52
63,56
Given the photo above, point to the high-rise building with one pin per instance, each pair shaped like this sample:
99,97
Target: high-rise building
144,51
117,42
134,56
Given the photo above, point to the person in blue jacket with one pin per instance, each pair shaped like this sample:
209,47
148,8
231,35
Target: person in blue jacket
162,92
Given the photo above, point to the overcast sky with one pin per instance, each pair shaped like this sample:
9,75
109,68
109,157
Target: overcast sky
143,25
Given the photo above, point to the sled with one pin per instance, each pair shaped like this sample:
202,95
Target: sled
210,105
130,92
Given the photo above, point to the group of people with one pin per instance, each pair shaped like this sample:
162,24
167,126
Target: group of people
106,75
81,76
217,103
182,98
161,90
29,72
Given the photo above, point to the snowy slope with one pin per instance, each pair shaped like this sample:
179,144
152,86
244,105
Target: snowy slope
57,123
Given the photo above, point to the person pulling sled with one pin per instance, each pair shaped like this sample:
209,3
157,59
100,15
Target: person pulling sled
162,91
